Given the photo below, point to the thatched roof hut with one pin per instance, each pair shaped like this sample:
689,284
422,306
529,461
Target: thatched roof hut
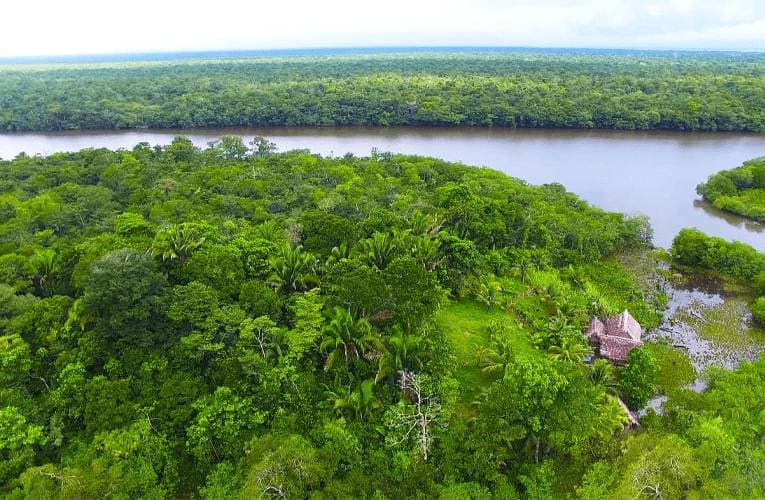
616,337
624,325
595,331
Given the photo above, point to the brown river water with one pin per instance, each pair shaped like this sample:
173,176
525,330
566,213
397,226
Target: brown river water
650,173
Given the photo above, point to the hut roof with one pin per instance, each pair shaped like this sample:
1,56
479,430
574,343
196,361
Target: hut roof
595,330
616,338
615,349
625,326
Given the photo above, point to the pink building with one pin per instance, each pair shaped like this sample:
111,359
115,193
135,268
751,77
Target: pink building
616,338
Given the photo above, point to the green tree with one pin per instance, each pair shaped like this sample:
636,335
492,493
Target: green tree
15,361
415,293
662,468
231,147
308,323
219,266
520,405
262,146
324,231
637,379
223,423
191,305
758,310
18,439
346,339
124,292
286,467
258,299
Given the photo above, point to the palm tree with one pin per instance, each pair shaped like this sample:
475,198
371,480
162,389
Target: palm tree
598,302
425,251
346,338
553,331
610,418
497,355
401,354
569,351
424,225
489,292
361,399
523,265
269,231
602,374
45,263
570,308
337,254
290,267
560,325
552,294
378,251
177,242
166,184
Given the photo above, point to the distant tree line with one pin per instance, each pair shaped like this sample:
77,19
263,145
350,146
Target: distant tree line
630,92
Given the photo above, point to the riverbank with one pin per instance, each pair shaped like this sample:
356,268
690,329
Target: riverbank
740,191
647,173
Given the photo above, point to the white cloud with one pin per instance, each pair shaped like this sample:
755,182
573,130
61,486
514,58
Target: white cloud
37,27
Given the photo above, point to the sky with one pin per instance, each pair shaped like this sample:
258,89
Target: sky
56,27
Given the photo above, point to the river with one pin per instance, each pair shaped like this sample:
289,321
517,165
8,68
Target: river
650,173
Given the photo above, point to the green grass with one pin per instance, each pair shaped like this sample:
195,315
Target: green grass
629,281
466,325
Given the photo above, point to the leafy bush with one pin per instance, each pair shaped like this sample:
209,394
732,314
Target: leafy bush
693,248
758,310
638,378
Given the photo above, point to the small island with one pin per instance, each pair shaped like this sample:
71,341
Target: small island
740,190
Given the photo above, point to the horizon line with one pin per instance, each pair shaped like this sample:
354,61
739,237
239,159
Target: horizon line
341,50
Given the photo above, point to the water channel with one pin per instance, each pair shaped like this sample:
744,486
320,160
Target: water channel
650,173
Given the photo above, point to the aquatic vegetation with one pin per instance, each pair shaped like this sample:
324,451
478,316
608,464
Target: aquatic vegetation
713,329
727,324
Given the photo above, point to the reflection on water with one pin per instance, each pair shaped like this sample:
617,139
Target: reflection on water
730,218
651,173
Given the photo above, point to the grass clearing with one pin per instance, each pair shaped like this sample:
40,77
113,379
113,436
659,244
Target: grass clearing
466,325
